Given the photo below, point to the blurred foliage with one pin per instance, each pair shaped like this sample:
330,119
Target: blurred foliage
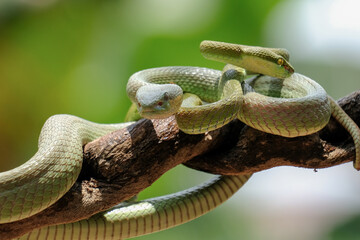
347,230
75,57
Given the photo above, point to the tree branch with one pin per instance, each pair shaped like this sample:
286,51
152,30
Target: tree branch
123,163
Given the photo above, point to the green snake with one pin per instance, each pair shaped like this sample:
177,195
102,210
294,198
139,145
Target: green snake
279,102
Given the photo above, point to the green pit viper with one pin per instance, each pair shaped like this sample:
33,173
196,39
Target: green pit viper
278,101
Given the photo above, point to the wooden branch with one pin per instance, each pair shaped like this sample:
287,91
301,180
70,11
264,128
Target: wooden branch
123,163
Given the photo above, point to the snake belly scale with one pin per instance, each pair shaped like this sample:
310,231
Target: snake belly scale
61,140
134,219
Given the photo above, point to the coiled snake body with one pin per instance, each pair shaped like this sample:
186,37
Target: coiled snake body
280,102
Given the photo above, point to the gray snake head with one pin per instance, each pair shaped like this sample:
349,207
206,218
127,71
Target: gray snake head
158,101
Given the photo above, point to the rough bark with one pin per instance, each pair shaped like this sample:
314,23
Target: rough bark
123,163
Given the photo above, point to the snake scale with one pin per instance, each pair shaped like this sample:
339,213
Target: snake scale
277,101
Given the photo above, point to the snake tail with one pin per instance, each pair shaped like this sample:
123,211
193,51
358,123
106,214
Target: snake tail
131,219
340,115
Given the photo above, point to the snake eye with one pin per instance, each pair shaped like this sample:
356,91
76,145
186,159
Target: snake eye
280,61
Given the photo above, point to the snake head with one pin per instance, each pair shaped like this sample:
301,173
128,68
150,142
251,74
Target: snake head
267,61
158,100
285,67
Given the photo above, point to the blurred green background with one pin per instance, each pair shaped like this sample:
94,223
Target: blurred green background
75,57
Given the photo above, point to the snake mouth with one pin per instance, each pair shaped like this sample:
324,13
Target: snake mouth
289,69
